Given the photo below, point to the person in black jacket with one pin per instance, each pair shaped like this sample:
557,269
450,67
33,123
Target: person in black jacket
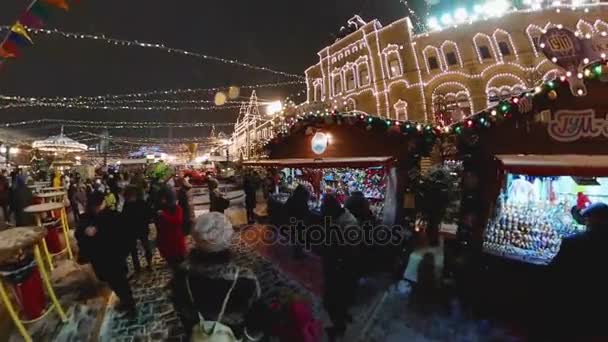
580,279
20,199
135,218
101,242
298,213
250,188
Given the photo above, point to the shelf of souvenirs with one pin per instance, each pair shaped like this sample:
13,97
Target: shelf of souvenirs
530,232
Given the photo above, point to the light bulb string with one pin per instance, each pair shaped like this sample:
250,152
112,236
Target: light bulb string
161,47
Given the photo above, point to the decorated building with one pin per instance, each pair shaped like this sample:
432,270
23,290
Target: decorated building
250,129
444,74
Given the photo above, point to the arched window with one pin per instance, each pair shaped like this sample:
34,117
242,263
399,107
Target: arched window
431,59
600,26
495,95
350,79
363,71
451,54
337,84
506,47
484,47
451,103
400,110
318,90
534,33
393,61
351,105
585,29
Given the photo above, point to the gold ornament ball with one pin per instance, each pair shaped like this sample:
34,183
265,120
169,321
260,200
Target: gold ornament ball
220,99
552,95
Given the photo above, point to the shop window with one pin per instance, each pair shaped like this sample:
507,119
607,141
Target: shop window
433,63
350,80
451,58
363,76
395,67
504,49
484,52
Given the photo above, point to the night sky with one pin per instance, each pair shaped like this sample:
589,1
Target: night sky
281,34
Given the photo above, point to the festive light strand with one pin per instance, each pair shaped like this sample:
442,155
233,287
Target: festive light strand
112,108
116,124
162,47
33,100
164,92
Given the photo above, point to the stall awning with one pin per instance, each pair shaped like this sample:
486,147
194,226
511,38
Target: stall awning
321,162
554,165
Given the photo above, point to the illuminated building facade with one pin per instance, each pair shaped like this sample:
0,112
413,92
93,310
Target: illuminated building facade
250,129
443,74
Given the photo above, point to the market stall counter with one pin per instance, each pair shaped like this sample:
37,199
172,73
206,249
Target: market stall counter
531,165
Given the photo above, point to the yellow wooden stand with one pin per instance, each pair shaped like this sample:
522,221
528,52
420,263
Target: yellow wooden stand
37,210
55,305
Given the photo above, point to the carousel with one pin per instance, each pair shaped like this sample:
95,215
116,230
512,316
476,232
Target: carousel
59,144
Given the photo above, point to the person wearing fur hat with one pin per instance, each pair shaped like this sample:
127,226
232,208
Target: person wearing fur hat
204,279
170,238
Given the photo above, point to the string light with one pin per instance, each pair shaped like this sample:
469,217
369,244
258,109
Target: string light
69,105
115,124
162,47
165,92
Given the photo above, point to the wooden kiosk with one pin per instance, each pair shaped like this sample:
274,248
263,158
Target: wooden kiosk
528,163
350,152
354,140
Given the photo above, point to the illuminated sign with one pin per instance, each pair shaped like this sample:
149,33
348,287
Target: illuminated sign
319,143
572,125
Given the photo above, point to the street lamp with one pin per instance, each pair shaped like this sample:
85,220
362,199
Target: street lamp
274,107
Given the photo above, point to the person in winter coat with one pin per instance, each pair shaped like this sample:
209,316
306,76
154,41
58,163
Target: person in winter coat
170,238
370,255
339,267
204,279
217,202
101,241
110,200
578,268
186,202
4,196
298,211
250,188
21,198
135,219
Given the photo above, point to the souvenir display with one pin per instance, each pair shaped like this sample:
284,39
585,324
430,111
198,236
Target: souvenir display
342,182
529,229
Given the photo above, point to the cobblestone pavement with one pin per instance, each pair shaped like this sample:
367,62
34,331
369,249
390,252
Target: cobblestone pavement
398,320
157,321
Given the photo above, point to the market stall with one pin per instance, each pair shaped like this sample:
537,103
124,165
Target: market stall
345,153
529,164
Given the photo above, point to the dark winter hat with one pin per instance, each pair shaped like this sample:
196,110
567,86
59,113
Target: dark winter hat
598,208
